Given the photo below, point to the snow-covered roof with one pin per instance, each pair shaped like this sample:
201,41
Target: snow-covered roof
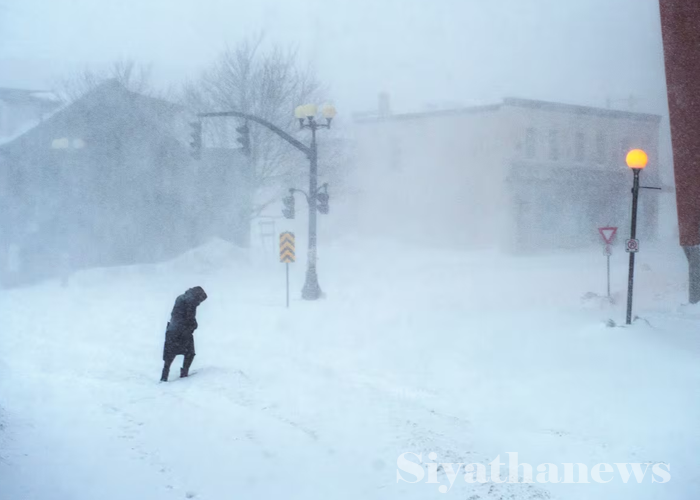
12,95
27,126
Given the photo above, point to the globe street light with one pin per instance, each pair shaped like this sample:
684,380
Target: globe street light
637,159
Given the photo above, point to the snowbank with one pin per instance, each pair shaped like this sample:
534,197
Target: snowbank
210,258
214,256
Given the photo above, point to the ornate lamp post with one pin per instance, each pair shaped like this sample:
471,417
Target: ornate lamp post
306,115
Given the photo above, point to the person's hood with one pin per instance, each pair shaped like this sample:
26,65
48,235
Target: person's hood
197,294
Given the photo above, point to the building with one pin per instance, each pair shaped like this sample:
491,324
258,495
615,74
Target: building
681,38
109,180
22,109
520,175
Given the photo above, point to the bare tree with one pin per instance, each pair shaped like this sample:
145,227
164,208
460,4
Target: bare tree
269,82
130,74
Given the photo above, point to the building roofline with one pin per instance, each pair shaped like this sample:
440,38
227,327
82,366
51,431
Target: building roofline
428,114
27,91
579,109
46,96
515,102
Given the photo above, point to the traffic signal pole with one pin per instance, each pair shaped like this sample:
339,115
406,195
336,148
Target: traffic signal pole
311,289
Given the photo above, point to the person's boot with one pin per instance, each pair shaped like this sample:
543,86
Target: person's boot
164,376
185,370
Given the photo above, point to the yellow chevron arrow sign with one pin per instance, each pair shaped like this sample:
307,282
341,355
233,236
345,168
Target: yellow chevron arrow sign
287,254
287,247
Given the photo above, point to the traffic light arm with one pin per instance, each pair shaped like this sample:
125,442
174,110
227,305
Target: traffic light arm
284,135
293,190
324,186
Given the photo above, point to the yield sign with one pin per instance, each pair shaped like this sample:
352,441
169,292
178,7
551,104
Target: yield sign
608,233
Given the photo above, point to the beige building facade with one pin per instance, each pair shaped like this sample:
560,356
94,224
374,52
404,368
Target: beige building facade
520,175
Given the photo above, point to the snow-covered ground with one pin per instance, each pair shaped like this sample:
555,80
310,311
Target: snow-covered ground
467,355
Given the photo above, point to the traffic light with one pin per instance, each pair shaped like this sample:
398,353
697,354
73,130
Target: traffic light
288,209
322,204
244,139
196,143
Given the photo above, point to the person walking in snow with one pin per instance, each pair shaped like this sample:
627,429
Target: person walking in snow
179,334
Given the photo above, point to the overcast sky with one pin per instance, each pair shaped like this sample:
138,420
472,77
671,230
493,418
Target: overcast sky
420,51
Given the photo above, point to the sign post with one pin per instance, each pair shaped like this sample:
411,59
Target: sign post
287,246
608,234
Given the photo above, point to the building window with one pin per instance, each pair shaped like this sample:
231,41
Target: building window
580,147
553,144
530,143
600,147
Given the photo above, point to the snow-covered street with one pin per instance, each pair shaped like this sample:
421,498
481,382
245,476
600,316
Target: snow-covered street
467,355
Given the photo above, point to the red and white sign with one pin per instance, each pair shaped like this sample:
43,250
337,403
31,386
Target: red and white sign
608,234
632,246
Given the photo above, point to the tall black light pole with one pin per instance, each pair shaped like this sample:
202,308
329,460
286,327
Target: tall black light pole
636,160
312,290
307,119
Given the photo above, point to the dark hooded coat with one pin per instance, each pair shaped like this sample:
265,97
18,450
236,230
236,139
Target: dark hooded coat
179,334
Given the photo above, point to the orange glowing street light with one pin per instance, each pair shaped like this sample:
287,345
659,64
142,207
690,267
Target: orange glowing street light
637,159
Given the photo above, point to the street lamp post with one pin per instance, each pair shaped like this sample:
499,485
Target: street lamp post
307,119
636,160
